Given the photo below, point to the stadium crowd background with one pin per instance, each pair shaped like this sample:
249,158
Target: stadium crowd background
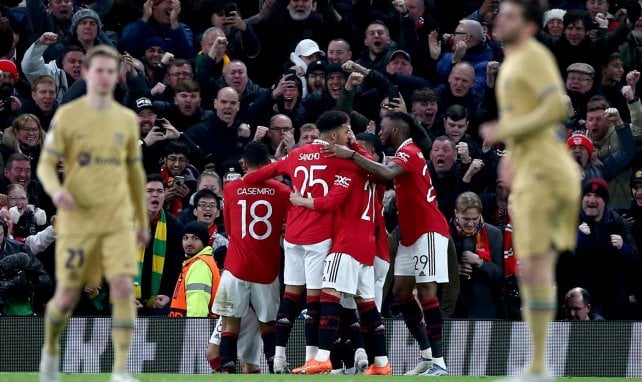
207,77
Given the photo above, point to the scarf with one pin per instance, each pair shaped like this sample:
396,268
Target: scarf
158,261
176,205
482,244
510,263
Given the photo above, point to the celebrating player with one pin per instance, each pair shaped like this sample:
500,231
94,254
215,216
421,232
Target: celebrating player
97,226
421,259
308,237
254,215
546,185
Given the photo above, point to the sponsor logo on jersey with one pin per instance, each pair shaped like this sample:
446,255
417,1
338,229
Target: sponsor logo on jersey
403,156
83,159
342,181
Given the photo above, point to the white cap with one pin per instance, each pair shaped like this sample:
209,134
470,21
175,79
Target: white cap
307,48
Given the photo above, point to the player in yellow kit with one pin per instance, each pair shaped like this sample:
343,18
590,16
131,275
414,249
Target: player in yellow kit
545,179
101,207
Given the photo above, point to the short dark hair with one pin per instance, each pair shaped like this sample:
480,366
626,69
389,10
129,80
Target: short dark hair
206,194
256,154
456,113
176,147
575,15
189,86
597,102
153,177
331,120
533,10
415,130
425,94
612,57
445,138
16,157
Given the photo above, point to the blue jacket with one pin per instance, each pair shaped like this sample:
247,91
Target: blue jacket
180,41
478,56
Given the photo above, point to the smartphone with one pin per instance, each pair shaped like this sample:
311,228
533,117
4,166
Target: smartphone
393,92
179,180
230,9
161,125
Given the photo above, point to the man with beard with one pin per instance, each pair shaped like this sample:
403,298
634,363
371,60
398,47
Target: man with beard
9,104
530,96
315,77
34,66
606,256
221,137
154,50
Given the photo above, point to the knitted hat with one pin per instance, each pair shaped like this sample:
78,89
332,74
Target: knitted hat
155,41
84,13
10,67
581,140
335,68
597,186
553,14
199,230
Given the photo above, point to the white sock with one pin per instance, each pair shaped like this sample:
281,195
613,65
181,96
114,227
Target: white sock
380,360
322,355
426,353
310,352
439,361
279,351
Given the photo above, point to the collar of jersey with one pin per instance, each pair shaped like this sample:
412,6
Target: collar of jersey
404,144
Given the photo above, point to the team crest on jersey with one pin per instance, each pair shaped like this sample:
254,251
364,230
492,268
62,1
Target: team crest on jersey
342,181
83,159
403,156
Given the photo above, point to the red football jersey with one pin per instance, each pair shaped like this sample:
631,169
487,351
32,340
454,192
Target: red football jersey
254,215
354,215
416,197
381,234
312,174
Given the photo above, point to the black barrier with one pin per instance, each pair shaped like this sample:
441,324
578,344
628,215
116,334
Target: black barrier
164,345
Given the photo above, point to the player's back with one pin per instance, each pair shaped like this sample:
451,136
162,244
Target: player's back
354,221
254,215
96,147
416,197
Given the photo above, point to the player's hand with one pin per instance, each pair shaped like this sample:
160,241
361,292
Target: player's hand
488,132
48,38
63,200
142,237
585,229
471,258
338,151
161,301
260,133
296,198
616,241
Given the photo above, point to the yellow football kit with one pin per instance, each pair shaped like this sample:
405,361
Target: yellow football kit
104,174
546,186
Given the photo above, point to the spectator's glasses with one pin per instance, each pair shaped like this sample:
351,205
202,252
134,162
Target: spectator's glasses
205,206
284,129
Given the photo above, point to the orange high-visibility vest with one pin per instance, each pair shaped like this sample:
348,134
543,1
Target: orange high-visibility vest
178,307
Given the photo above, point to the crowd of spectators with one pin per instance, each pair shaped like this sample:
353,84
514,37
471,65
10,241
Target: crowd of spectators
205,77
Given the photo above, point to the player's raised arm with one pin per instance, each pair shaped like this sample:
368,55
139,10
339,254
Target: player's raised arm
266,172
380,171
333,200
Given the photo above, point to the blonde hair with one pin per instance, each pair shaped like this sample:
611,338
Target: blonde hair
102,51
468,200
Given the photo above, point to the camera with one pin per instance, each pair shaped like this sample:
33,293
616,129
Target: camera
230,9
179,180
393,92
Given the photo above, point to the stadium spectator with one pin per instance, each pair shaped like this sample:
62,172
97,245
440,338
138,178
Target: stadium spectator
160,261
339,51
307,134
22,276
606,256
554,22
480,253
18,170
179,175
24,136
207,210
424,106
278,136
577,306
